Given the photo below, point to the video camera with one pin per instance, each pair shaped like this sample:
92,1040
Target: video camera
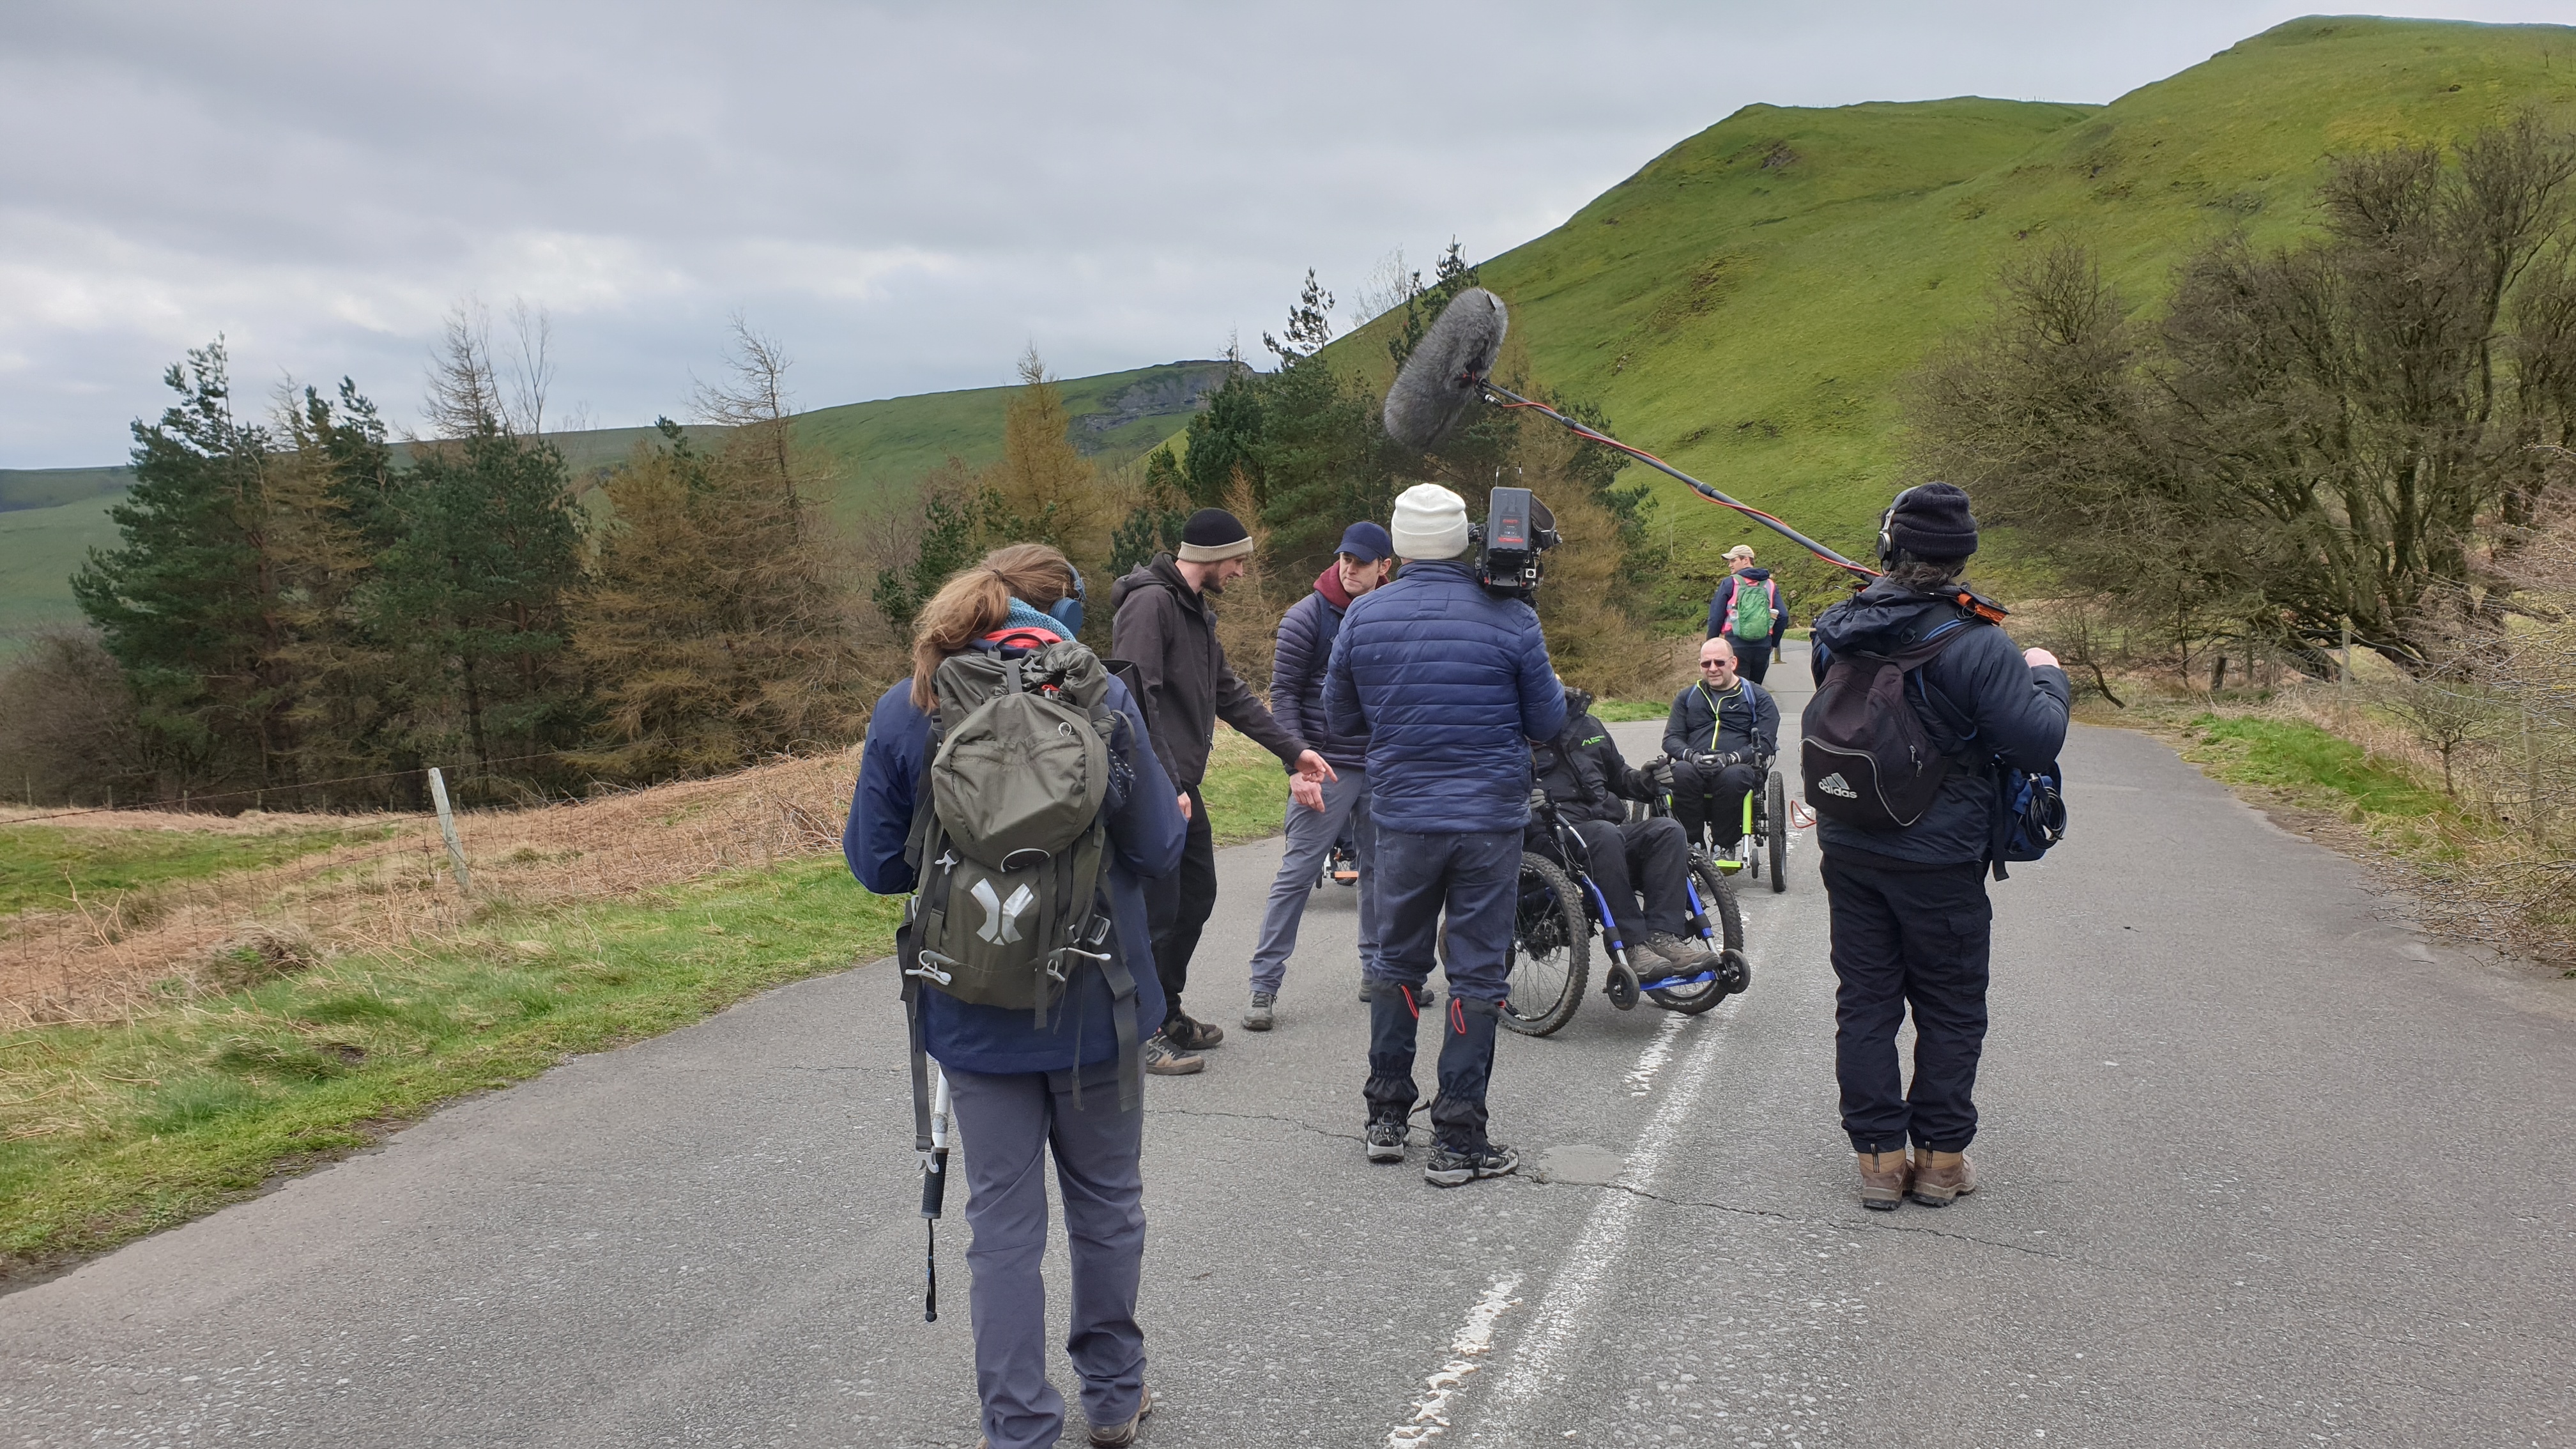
1517,529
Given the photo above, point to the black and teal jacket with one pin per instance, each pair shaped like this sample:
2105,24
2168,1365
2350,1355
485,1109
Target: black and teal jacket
1702,723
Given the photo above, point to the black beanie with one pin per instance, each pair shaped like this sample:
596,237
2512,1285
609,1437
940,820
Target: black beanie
1212,536
1932,521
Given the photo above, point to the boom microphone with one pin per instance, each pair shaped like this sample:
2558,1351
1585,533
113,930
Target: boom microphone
1451,368
1446,370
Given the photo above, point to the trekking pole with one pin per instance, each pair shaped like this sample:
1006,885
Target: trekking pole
934,1191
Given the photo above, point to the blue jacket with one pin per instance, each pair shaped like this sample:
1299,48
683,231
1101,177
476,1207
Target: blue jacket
1452,686
1977,700
1306,635
1145,838
1748,719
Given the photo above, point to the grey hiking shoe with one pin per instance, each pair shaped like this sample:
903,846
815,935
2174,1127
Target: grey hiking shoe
1449,1168
1257,1017
1685,954
1166,1060
1386,1141
1117,1436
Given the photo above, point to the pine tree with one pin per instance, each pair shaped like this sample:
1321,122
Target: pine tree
181,603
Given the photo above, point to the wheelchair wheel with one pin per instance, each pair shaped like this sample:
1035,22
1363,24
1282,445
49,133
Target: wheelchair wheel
1775,801
1551,949
1717,906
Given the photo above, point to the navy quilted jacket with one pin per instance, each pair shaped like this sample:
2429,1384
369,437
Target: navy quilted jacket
1306,635
1452,686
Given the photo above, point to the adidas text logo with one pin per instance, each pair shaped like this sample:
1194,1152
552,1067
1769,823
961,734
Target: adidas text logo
1833,785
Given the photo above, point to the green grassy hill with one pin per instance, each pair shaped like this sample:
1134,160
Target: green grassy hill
1749,304
49,518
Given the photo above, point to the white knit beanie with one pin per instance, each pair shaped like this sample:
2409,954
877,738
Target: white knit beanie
1430,523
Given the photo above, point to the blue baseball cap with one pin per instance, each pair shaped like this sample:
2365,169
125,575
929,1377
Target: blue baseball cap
1366,542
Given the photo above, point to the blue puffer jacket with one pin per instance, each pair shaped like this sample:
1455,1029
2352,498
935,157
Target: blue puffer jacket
1145,838
1452,686
1977,700
1306,635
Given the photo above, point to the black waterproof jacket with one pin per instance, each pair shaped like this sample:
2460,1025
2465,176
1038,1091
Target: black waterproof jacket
1978,701
1583,772
1167,630
1705,724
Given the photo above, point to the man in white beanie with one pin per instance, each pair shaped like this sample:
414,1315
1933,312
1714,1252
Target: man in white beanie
1452,685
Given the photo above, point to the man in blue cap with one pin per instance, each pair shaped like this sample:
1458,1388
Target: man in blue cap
1318,811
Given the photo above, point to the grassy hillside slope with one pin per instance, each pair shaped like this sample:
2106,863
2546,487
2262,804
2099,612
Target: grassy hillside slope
50,517
1749,304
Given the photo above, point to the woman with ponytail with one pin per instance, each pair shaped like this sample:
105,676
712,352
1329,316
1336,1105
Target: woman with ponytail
1019,1089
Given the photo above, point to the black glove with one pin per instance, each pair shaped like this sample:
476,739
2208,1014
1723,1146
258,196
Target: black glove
1659,774
1720,762
1538,802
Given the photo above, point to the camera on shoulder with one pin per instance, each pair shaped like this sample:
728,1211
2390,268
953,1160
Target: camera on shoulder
1517,529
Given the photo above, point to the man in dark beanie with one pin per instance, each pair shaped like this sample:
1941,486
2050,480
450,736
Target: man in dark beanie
1161,623
1909,915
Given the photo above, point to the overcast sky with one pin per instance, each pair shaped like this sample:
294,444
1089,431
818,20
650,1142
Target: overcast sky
905,196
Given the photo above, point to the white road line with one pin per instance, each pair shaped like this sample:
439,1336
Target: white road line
1430,1418
1641,1077
1569,1299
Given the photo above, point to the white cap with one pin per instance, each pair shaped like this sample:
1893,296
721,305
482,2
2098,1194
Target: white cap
1430,523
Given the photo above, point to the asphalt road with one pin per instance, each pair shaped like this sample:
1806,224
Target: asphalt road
2260,1168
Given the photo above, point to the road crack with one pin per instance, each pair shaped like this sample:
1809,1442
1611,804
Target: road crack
1254,1117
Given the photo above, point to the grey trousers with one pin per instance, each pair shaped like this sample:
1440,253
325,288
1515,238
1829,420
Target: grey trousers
1311,834
1007,1124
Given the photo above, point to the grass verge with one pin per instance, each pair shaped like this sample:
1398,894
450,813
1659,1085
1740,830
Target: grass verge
111,1132
49,867
2299,765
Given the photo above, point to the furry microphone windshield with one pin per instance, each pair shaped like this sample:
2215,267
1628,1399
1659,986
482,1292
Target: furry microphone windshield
1437,382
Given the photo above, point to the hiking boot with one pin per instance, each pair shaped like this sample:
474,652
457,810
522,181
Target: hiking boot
1884,1177
1166,1060
1258,1016
1689,956
1450,1168
1386,1141
1192,1035
1117,1436
1940,1177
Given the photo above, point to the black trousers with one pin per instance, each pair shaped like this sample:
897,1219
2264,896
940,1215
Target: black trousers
1177,907
1652,855
1918,939
1751,660
1713,799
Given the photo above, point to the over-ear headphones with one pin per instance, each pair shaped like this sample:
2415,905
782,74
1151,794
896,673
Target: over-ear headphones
1887,549
1068,610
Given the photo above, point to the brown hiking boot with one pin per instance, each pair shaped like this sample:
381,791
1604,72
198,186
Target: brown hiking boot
1942,1176
1883,1180
1118,1435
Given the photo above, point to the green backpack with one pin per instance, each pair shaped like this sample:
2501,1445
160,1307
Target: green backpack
1007,846
1752,610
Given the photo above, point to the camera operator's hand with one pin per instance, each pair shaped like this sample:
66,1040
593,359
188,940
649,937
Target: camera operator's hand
2037,657
1309,793
1311,766
1184,798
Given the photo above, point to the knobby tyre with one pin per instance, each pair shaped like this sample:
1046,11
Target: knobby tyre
1775,802
1551,949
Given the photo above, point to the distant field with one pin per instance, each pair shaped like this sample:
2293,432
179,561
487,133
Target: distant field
39,548
50,487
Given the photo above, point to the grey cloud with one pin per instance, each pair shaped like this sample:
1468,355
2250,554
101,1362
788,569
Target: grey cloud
905,195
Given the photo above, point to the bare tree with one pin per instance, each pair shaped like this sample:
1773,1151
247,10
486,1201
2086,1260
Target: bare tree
532,370
468,389
754,399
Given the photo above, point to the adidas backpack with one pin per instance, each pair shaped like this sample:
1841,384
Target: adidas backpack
1867,759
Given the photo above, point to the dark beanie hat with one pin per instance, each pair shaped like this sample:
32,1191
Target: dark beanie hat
1932,521
1212,536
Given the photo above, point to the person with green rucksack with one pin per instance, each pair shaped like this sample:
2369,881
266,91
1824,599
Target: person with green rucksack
1010,791
1746,612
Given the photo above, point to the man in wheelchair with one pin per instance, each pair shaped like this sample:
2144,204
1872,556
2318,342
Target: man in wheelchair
1583,775
1720,739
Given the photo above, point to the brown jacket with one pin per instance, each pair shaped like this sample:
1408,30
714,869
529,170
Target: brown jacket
1166,629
